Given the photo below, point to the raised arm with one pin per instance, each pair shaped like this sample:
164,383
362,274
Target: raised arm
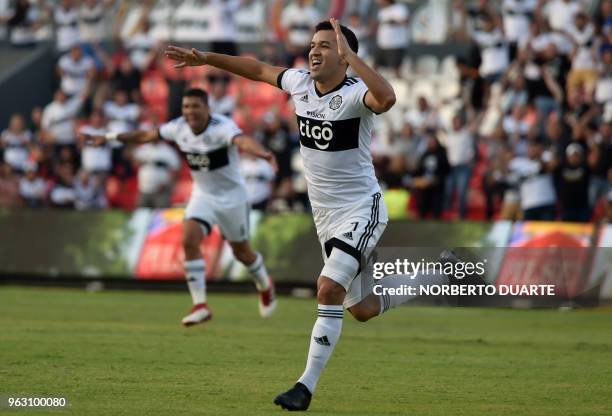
251,146
245,67
380,97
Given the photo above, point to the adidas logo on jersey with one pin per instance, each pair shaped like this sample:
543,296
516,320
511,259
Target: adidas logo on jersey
348,235
322,340
304,99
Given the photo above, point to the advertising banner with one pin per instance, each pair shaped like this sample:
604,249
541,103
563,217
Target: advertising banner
548,253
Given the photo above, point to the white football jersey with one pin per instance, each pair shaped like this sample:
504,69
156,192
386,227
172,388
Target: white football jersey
211,156
335,135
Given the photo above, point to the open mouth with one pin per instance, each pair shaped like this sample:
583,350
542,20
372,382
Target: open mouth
315,63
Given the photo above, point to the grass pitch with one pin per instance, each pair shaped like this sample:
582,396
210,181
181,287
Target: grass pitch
124,353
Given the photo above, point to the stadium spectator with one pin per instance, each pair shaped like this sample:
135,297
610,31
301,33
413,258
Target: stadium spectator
222,29
89,191
561,13
63,194
516,15
141,45
493,49
92,21
391,35
583,73
76,71
298,19
603,88
58,120
14,143
533,178
66,20
96,160
23,23
258,176
423,117
495,183
430,177
461,152
122,115
9,187
275,135
158,168
124,75
251,21
32,188
219,99
572,179
601,162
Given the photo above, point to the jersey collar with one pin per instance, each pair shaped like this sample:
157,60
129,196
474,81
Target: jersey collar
336,88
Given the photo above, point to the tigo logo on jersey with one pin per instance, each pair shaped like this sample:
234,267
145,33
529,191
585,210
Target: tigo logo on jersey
329,135
335,102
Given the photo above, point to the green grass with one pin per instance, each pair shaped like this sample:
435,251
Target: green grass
124,353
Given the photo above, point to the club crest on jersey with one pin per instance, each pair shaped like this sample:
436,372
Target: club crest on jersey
335,102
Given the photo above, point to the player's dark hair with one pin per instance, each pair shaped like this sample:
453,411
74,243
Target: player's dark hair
198,93
351,39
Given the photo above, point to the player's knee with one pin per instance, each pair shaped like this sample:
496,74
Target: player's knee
329,292
362,314
191,238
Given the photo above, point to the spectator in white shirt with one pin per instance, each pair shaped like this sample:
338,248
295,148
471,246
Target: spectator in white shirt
461,152
392,34
516,16
66,19
32,188
96,160
561,13
258,175
299,19
534,178
251,21
14,143
63,194
159,166
142,46
122,115
76,71
58,120
423,117
493,50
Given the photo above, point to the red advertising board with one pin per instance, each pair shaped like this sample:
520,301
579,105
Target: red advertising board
549,253
162,254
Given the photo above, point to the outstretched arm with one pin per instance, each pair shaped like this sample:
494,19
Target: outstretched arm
380,97
138,136
245,67
249,145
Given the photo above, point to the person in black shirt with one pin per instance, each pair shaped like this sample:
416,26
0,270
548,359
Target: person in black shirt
572,177
430,177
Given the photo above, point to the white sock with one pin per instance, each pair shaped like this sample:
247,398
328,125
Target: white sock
259,273
397,281
325,334
195,271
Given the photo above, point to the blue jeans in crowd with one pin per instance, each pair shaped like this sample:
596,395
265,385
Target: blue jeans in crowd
458,180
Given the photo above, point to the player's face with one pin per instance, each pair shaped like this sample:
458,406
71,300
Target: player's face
195,112
323,59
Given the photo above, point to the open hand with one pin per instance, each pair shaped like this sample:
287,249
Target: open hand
185,57
344,50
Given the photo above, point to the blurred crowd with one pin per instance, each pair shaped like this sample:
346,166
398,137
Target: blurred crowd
516,124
